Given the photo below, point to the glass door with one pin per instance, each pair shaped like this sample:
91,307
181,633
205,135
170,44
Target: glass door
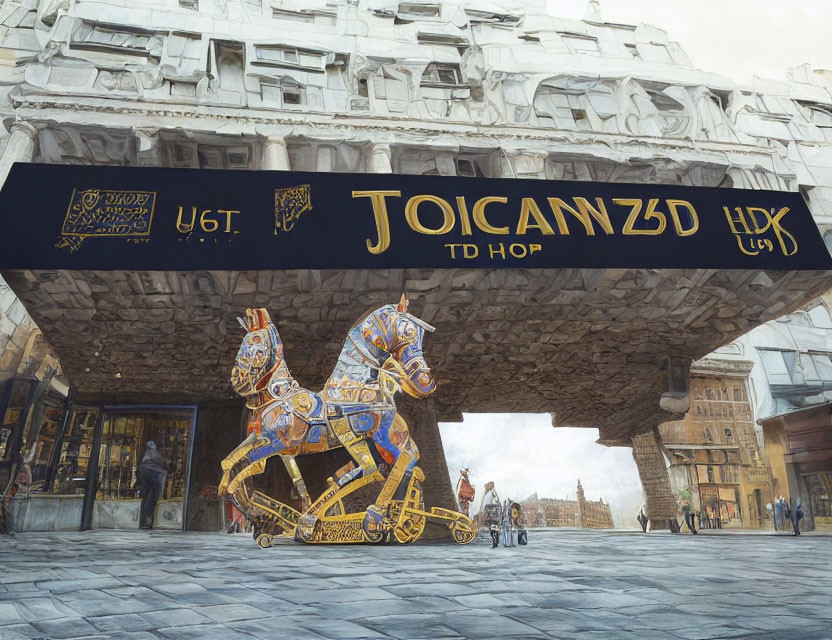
124,437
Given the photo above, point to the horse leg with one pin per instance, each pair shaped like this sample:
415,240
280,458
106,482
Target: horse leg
245,461
396,440
297,480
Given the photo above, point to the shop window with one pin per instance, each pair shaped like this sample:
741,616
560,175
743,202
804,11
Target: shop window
123,441
74,455
42,449
17,404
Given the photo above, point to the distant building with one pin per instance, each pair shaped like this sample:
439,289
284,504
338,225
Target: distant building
549,512
714,451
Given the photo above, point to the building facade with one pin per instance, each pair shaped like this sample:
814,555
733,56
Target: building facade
714,452
788,369
582,513
448,88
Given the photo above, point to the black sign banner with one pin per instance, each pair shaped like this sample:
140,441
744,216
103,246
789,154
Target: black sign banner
76,217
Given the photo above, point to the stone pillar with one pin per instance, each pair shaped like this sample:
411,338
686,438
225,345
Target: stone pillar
381,158
148,148
424,429
20,147
276,154
661,502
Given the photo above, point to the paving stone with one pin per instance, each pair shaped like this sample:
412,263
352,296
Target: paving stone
9,614
174,618
66,628
482,623
336,629
272,628
434,589
359,594
35,609
123,622
20,632
412,626
230,612
200,632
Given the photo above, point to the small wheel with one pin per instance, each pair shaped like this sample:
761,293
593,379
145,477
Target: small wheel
264,541
463,530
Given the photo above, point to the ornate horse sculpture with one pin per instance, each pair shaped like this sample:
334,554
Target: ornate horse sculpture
356,410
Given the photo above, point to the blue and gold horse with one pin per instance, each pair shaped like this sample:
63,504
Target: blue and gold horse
356,410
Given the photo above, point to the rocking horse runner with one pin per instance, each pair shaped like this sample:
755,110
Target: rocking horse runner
356,410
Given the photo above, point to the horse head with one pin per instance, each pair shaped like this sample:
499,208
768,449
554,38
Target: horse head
259,354
400,334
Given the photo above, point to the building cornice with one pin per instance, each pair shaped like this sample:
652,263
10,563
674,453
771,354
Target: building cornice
71,109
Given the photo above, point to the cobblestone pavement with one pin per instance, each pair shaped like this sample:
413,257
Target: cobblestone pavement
565,584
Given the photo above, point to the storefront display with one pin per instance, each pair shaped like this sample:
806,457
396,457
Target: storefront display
74,453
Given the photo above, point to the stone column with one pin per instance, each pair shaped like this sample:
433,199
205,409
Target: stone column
661,502
276,154
424,429
381,158
20,147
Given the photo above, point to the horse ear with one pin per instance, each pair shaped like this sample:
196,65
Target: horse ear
403,304
257,319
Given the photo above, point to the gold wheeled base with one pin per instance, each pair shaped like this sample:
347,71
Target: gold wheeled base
400,520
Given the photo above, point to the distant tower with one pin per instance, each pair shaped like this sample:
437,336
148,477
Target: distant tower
581,506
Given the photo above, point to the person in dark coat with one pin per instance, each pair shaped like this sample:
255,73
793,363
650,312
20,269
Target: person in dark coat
151,475
686,510
797,515
642,520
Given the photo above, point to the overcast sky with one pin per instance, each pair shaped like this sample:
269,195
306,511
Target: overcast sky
737,38
524,454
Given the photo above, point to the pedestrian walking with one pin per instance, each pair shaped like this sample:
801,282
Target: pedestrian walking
797,515
686,510
151,475
642,519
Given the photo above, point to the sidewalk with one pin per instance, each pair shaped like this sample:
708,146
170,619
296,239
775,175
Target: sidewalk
566,584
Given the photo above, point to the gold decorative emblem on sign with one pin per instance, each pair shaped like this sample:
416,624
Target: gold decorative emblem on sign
99,213
289,204
757,230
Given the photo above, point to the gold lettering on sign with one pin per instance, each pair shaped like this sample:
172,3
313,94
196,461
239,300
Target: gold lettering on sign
756,230
411,214
377,198
100,213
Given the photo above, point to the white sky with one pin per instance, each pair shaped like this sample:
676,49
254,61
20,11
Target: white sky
736,38
523,454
